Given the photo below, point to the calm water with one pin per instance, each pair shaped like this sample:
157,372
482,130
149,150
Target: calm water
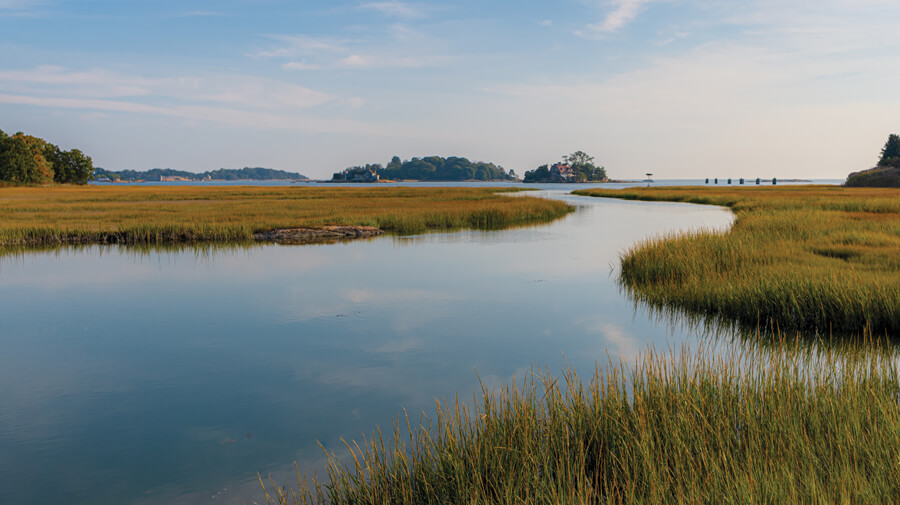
174,377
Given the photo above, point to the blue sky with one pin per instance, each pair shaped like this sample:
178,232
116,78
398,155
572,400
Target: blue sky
680,88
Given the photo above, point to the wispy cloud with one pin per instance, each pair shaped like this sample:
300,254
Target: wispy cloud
404,48
224,115
622,13
230,99
300,65
293,46
243,91
20,5
381,61
396,9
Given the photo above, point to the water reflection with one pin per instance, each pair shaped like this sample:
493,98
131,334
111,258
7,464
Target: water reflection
134,376
763,335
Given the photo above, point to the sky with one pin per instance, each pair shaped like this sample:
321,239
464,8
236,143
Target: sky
679,88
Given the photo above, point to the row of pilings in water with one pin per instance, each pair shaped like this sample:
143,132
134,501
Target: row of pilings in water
741,180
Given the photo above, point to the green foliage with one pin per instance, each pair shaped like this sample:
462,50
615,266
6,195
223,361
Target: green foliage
816,259
222,174
878,177
71,167
540,174
25,159
890,153
22,160
582,167
436,168
749,427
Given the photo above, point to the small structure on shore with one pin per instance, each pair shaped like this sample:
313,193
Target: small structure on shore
356,174
562,172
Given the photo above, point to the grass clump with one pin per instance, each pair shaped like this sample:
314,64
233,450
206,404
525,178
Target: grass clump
813,258
788,426
183,214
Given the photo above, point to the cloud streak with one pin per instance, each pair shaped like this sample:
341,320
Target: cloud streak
243,91
406,48
623,12
396,9
241,101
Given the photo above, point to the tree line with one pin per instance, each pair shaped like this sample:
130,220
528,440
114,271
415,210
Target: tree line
890,153
222,174
579,165
26,159
436,168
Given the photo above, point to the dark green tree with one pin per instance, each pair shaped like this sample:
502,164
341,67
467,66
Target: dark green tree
22,160
69,167
890,153
584,167
579,158
539,174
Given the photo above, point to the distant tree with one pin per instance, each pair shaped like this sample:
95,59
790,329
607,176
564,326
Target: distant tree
584,167
436,168
69,167
22,160
539,174
890,153
579,158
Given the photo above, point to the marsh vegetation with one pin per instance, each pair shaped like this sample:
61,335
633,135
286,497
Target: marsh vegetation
778,426
814,259
180,214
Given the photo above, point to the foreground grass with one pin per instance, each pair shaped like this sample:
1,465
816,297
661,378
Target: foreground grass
816,258
165,215
772,427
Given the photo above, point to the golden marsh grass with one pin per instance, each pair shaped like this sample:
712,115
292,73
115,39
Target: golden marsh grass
780,426
813,258
179,214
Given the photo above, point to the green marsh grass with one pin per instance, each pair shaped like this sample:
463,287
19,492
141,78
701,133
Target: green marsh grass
187,214
819,259
786,425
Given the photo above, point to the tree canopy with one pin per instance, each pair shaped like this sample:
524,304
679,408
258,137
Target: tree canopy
25,159
577,167
436,168
222,174
890,153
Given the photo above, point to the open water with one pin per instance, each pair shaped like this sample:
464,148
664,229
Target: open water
151,376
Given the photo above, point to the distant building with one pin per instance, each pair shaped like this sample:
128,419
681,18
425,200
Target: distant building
357,174
562,172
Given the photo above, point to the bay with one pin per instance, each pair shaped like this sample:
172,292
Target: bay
175,375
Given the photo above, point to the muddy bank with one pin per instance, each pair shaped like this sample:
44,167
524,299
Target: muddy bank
301,235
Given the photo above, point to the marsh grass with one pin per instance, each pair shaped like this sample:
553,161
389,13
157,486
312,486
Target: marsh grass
787,425
815,259
189,214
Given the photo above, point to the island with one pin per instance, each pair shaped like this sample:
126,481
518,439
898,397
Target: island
222,174
575,167
430,168
886,174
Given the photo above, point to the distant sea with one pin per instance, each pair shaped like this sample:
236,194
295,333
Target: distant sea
626,184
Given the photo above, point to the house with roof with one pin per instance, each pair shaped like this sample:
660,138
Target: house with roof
562,172
357,174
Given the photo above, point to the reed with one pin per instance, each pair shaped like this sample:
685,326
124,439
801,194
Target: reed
814,258
187,214
788,425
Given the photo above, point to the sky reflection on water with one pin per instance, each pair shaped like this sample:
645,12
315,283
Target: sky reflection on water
164,376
